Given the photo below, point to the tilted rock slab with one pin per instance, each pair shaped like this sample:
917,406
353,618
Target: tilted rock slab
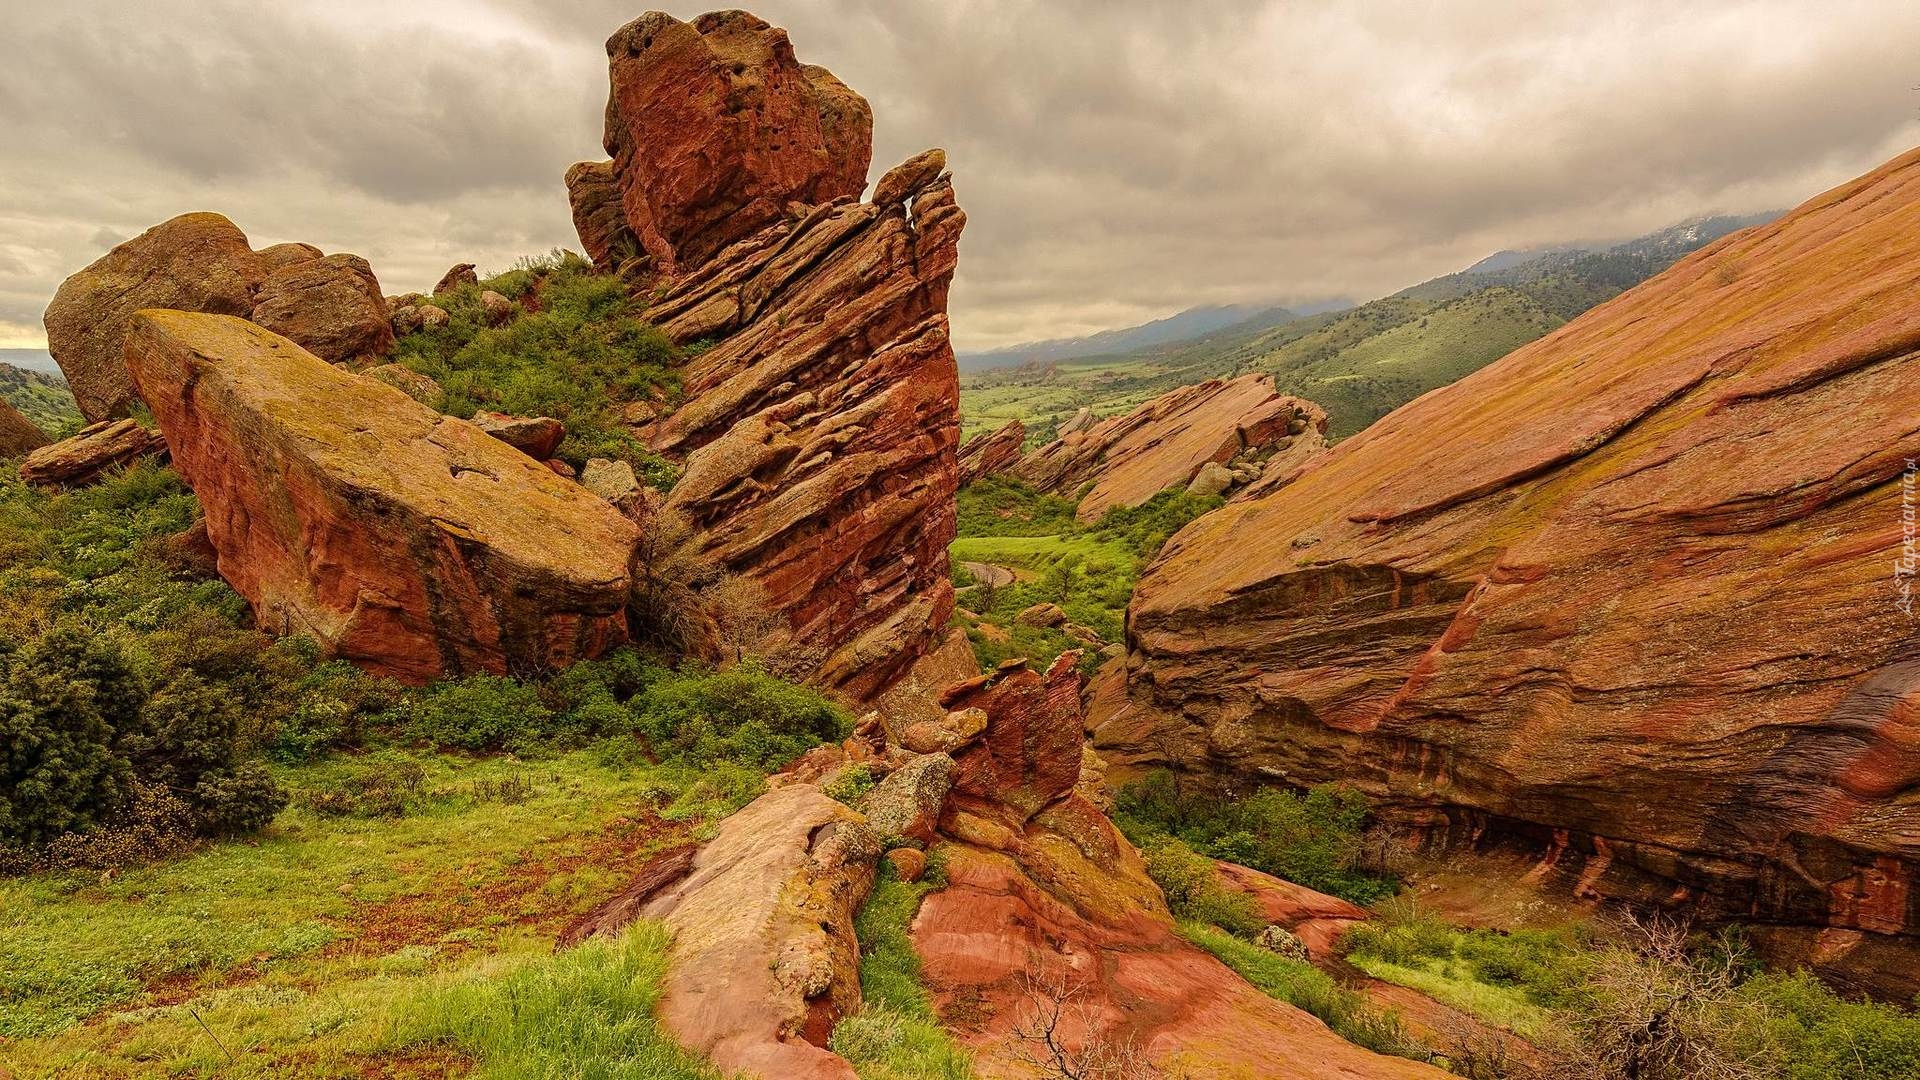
90,453
1165,442
1629,593
764,959
715,127
411,543
819,434
17,433
992,452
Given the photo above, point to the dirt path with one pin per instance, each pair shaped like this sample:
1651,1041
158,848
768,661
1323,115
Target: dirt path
988,574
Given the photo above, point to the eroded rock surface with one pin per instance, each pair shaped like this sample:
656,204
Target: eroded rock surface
715,128
17,433
83,457
593,191
764,959
1169,440
1628,593
412,543
329,305
993,452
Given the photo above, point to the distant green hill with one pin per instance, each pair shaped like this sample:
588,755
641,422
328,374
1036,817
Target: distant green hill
1361,363
44,399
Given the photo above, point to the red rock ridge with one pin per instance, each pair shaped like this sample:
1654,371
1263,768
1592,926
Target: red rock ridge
1629,592
992,452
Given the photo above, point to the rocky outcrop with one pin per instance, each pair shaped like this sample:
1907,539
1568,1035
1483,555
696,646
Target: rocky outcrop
1634,594
412,543
17,433
194,262
992,452
421,388
535,436
764,961
85,457
329,304
715,129
818,432
593,191
457,275
1242,424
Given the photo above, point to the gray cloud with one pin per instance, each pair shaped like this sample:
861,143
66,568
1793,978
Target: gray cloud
1118,161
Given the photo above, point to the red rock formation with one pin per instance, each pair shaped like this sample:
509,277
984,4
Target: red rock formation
992,452
412,543
328,304
1044,892
715,128
594,193
194,262
17,433
1165,442
83,458
1630,592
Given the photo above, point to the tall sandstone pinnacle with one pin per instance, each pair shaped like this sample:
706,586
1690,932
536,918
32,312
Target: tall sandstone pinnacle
1630,592
819,430
412,543
715,128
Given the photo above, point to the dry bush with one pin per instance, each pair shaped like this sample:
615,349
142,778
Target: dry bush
1055,1004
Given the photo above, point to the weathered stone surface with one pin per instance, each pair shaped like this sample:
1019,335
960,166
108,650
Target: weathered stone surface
535,436
405,319
497,309
1629,592
17,433
194,262
280,256
764,959
460,274
1212,479
432,316
992,453
907,802
81,458
909,864
409,542
819,434
421,388
944,734
1168,440
330,306
1041,615
611,480
1029,755
598,217
909,176
715,128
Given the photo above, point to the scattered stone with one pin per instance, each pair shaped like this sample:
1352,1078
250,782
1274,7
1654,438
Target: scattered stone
1041,616
461,274
432,317
497,309
561,468
1212,479
409,542
537,436
909,864
405,320
905,180
1278,939
907,803
81,459
611,480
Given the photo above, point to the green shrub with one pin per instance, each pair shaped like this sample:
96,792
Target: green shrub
1811,1033
896,1035
1194,890
380,789
1306,987
1311,839
850,783
742,715
484,712
65,699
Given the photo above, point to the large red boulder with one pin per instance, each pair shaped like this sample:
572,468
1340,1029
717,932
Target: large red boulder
715,128
1636,593
412,543
329,305
194,262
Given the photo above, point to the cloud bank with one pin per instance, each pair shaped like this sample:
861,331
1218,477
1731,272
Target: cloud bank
1118,161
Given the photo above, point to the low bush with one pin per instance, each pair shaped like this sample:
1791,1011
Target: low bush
896,1035
1312,839
741,715
1306,987
1194,890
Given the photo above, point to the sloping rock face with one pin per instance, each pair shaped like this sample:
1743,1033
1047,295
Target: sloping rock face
818,432
1635,592
715,127
17,433
1045,893
412,543
593,191
992,452
764,960
328,304
1130,459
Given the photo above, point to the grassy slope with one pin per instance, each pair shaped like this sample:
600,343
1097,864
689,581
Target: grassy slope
294,946
43,399
896,1035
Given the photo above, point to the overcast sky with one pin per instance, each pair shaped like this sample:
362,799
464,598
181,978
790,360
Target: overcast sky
1118,161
